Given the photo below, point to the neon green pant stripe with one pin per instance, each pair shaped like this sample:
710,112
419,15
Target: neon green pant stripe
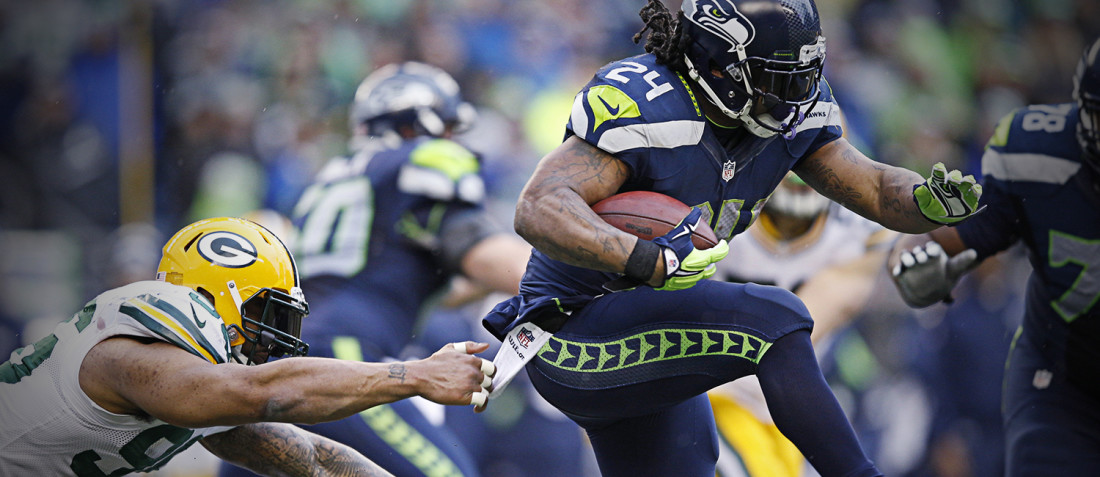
393,430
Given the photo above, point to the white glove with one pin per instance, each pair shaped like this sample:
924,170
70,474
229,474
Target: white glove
925,275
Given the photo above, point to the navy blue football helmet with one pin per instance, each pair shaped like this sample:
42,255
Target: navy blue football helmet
411,94
1086,91
759,61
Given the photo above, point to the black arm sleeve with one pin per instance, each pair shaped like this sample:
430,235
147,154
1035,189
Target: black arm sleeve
460,231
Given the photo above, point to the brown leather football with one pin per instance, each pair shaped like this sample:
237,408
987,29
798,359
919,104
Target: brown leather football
649,215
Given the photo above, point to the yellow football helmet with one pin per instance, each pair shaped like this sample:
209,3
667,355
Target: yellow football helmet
252,278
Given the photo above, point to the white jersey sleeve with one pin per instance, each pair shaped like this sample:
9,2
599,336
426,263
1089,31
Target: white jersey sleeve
48,426
838,237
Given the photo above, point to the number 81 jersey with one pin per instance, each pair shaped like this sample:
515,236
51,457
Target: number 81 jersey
48,426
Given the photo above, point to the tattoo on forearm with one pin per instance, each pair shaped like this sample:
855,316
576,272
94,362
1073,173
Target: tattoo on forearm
282,449
339,460
398,371
899,200
831,182
577,167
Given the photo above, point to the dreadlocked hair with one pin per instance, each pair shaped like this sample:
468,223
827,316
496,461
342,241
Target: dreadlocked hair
664,40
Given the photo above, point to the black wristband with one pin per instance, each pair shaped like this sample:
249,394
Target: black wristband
642,261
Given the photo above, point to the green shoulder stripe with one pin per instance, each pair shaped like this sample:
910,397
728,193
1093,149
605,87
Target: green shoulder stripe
173,325
1000,134
447,157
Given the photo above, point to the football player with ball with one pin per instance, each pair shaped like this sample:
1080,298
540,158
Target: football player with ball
625,335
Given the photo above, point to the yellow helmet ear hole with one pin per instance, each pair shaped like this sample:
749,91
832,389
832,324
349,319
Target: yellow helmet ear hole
174,278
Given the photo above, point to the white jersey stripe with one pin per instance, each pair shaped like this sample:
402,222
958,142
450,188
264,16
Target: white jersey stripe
579,117
665,135
824,114
1023,167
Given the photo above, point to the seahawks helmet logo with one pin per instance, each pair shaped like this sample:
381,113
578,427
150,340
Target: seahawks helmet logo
721,18
227,249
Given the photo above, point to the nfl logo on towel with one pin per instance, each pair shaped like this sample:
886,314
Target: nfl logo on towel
727,170
525,337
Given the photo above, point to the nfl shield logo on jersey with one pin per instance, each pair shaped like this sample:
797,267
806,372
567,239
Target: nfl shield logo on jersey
727,170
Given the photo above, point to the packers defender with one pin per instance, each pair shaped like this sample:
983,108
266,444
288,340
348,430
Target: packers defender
145,370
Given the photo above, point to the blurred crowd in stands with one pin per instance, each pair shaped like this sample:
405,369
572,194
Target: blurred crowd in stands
122,121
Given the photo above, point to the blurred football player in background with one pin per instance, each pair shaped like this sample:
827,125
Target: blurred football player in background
728,99
1042,176
147,369
829,257
381,232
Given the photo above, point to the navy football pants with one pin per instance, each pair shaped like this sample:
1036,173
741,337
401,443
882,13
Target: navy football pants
633,368
1051,427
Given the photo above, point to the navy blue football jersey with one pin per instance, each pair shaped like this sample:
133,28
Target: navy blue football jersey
368,235
1039,192
647,116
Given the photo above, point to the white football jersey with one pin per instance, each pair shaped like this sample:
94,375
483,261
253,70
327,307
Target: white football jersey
755,256
48,426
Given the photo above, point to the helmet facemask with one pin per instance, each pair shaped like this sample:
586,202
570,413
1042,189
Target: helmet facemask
1086,91
272,322
784,91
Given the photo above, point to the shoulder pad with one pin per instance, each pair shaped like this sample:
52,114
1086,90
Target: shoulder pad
1034,144
637,103
442,170
826,112
177,315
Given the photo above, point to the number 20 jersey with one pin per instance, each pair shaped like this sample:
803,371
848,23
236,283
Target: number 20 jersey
48,426
1038,190
647,116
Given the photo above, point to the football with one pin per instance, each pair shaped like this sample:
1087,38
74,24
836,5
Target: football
649,215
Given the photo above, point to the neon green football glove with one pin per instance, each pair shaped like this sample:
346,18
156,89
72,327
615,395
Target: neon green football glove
698,265
685,265
947,198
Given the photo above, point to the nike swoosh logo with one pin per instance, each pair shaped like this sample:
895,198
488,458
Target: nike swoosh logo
611,110
202,324
688,229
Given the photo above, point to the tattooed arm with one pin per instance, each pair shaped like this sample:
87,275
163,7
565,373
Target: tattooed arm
877,191
127,376
554,212
283,449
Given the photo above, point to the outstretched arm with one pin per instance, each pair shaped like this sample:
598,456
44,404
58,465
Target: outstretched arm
885,193
283,449
153,378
